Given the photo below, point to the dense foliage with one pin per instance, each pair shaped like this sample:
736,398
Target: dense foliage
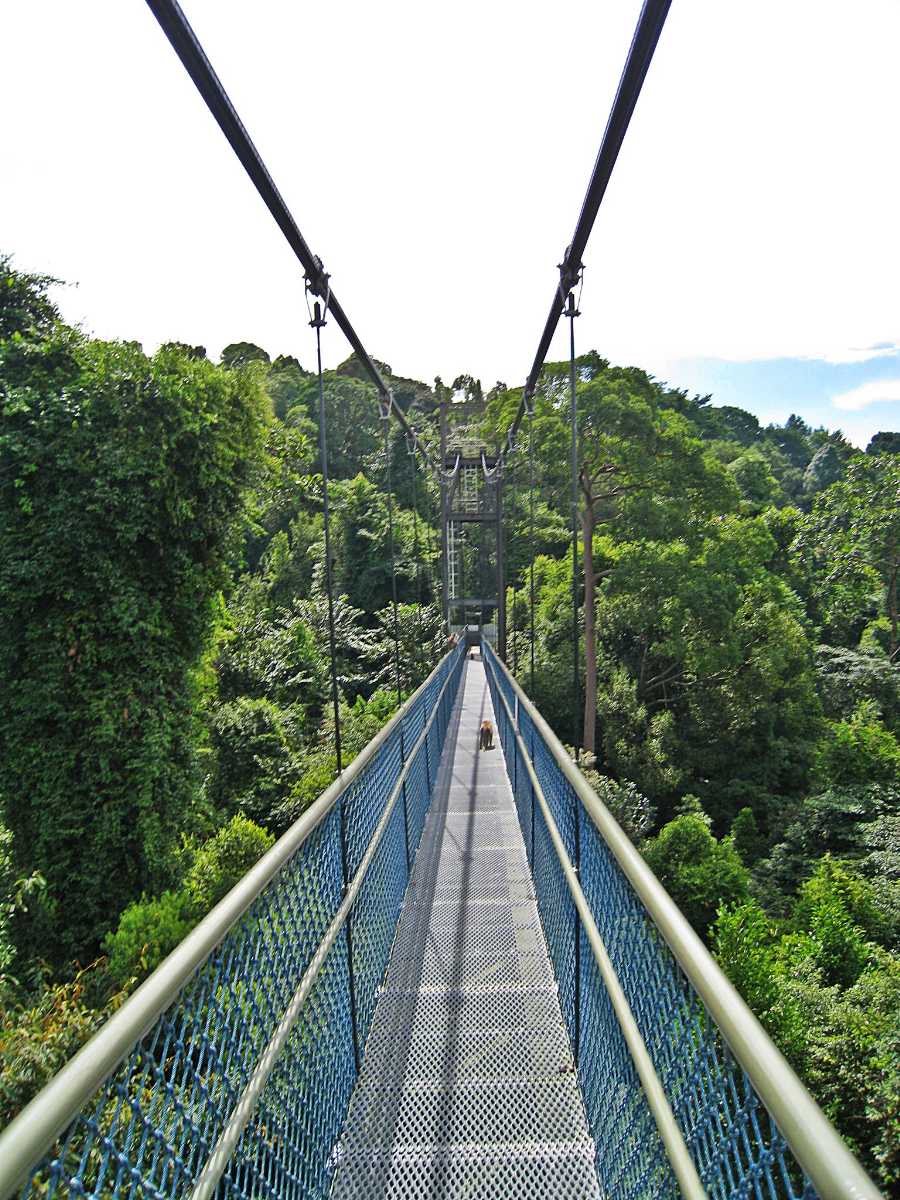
164,677
741,675
165,686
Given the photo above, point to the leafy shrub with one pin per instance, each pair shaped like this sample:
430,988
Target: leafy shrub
148,930
39,1036
844,1041
748,841
876,637
845,678
859,751
631,808
223,860
700,873
14,896
252,755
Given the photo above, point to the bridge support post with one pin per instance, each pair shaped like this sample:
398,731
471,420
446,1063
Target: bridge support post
533,805
577,932
501,579
345,878
445,548
515,781
405,806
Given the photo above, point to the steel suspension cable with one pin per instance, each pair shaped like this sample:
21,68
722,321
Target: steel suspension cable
186,45
318,320
386,420
643,44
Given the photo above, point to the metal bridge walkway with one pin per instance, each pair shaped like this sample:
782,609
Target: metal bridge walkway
397,919
467,1085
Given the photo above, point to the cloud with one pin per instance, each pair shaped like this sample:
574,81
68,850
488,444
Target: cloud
876,391
858,354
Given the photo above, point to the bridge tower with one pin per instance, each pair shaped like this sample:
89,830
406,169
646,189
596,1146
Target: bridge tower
472,541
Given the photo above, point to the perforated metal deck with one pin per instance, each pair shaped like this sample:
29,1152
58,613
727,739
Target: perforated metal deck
467,1086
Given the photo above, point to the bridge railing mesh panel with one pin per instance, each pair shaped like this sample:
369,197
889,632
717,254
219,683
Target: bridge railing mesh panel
735,1144
153,1124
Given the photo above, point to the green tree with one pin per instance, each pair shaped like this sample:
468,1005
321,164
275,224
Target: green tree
858,751
853,532
147,932
700,873
706,668
239,354
362,546
843,1039
845,678
755,480
825,468
421,643
884,443
223,860
14,898
287,385
121,485
252,741
748,841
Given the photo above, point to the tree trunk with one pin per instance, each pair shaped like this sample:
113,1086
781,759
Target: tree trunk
588,521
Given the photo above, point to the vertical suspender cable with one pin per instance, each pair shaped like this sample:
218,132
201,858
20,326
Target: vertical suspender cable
318,320
512,521
420,652
386,420
572,312
436,553
531,542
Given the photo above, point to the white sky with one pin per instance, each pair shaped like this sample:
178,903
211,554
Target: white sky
435,156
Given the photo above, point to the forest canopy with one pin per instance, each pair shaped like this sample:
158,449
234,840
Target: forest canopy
164,674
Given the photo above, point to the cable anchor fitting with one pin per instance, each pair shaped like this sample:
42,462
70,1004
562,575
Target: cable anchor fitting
318,285
318,281
570,274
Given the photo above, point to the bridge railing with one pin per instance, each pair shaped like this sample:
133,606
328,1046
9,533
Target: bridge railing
229,1071
685,1093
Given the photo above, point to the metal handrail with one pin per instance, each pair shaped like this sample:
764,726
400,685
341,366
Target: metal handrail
672,1138
28,1135
243,1110
816,1144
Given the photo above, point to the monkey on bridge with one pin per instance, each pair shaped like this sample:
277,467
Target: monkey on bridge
486,737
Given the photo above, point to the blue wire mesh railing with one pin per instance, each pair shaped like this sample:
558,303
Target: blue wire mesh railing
154,1123
734,1142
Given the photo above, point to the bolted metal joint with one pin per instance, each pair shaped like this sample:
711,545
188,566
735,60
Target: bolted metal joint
317,321
569,273
318,280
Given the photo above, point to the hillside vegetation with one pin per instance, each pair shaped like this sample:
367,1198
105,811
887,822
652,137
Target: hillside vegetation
164,677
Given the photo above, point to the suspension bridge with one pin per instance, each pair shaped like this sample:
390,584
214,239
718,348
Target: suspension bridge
454,976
